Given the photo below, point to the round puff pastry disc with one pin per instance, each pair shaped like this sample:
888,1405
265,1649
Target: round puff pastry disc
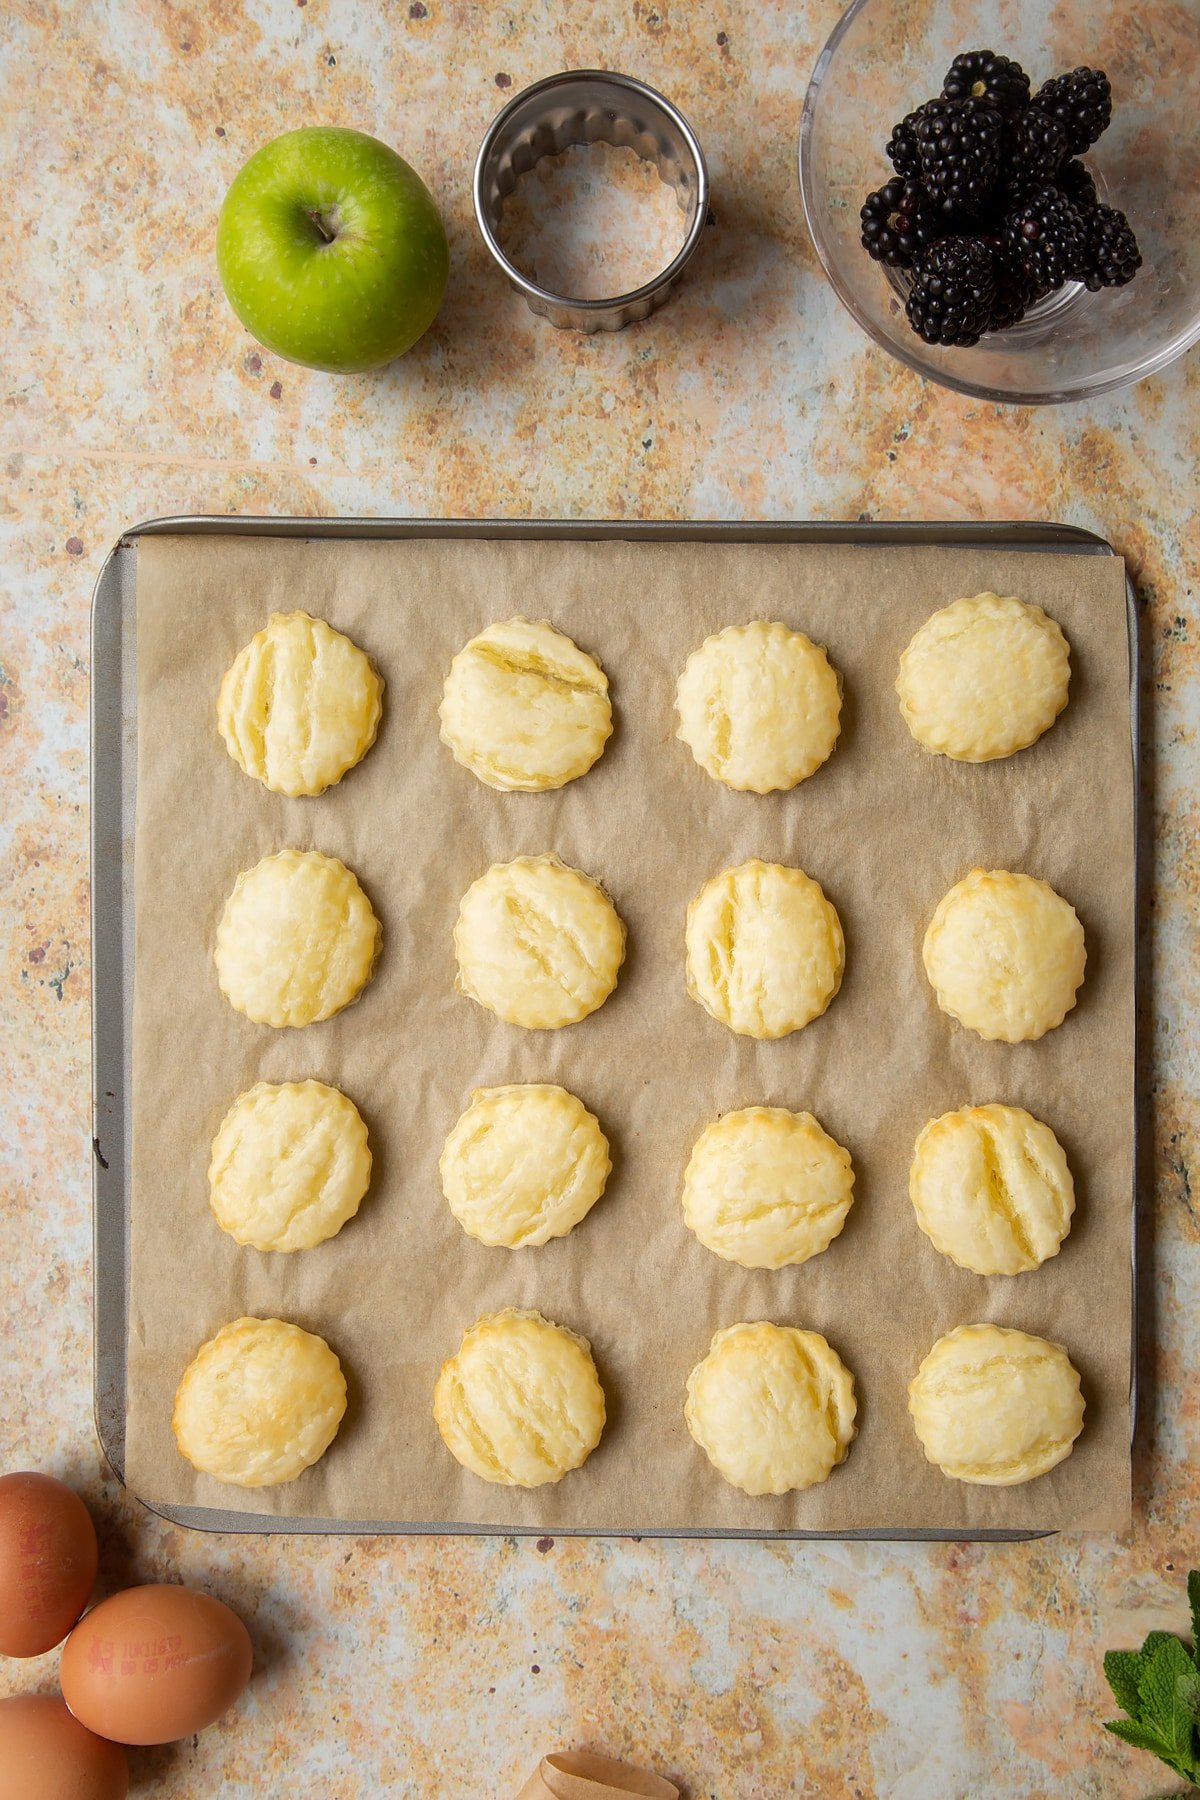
764,949
297,940
996,1407
299,706
525,708
1005,955
538,943
766,1187
983,678
521,1403
289,1165
991,1189
259,1403
524,1163
771,1407
759,707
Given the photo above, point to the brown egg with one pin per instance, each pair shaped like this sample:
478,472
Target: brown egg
47,1562
154,1664
47,1753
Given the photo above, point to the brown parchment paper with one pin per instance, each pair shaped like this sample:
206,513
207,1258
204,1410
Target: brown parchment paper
582,1775
885,828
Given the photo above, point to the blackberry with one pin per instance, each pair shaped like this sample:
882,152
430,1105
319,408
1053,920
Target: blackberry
902,149
1048,237
898,220
1015,293
1111,257
1081,102
953,291
1075,180
986,76
959,143
1035,149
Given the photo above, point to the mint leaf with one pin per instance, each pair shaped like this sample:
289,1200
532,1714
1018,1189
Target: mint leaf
1141,1736
1159,1686
1123,1670
1189,1693
1145,1737
1166,1677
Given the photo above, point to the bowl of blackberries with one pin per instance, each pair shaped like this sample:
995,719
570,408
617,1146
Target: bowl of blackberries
1019,221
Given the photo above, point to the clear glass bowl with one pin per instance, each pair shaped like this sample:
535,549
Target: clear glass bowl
887,56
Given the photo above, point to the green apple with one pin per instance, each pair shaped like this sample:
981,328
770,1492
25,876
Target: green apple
331,250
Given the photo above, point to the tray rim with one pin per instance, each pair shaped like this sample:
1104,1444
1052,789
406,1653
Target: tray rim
111,926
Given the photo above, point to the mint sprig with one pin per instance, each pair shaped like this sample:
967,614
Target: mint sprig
1159,1687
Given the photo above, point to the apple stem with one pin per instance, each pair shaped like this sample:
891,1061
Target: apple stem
318,219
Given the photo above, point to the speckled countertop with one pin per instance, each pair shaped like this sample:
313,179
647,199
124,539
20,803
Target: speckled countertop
441,1668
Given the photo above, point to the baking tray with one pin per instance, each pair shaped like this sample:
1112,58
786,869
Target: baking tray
113,811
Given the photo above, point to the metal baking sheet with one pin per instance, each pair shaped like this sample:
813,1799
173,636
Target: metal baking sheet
113,807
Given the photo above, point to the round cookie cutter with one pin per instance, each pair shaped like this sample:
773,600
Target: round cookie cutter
590,106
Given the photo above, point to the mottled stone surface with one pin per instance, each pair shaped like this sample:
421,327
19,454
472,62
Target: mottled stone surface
429,1668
